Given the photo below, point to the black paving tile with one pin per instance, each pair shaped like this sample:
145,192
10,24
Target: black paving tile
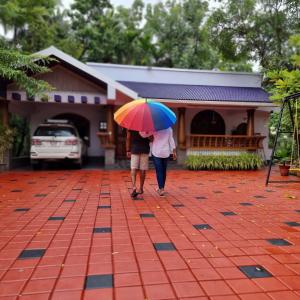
201,198
104,206
22,209
228,213
246,204
279,242
255,271
259,197
16,191
177,205
164,246
32,253
56,218
202,226
147,215
40,195
102,230
70,200
292,224
99,281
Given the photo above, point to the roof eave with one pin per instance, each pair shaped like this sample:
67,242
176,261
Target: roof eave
218,103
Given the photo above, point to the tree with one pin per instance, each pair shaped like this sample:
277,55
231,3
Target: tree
256,30
18,67
180,34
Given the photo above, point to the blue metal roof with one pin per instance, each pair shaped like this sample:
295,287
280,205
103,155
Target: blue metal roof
198,92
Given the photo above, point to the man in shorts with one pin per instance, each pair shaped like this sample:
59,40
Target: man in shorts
137,149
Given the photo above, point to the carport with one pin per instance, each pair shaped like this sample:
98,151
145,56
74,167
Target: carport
81,95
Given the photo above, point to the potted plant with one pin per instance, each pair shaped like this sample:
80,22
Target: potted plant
284,166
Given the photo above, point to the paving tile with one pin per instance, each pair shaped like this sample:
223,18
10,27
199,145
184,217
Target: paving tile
70,200
292,224
56,218
70,283
246,204
164,247
177,205
159,292
32,253
188,289
66,295
22,209
279,242
243,286
129,293
37,286
104,206
99,281
127,279
106,294
228,213
202,226
147,215
154,277
102,230
216,287
255,271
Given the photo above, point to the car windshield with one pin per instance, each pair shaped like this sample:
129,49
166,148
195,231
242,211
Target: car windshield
63,131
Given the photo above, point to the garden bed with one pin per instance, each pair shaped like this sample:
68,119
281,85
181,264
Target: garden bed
243,161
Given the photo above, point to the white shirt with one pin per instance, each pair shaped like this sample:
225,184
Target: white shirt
163,142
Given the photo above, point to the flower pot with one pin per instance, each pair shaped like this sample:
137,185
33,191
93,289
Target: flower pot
284,170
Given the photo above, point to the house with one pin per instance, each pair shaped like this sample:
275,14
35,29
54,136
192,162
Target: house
219,112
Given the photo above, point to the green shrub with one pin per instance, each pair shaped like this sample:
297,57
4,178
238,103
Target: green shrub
243,161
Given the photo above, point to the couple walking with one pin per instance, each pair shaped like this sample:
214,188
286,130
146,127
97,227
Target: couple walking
138,149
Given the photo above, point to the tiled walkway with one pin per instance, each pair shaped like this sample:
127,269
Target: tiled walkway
216,235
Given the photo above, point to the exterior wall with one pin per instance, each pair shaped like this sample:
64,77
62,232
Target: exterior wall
177,76
38,112
64,80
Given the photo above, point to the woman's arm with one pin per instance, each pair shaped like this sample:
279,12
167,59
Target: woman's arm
172,144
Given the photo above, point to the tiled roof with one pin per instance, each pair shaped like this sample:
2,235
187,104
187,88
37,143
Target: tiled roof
197,92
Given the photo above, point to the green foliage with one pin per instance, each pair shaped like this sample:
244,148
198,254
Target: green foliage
284,82
17,67
244,161
256,30
6,140
21,142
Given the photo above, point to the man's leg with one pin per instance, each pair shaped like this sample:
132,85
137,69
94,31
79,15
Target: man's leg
134,162
144,164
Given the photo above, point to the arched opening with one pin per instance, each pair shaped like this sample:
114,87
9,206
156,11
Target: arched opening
81,123
208,122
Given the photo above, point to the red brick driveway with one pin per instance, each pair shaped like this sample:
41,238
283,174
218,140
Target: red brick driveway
216,235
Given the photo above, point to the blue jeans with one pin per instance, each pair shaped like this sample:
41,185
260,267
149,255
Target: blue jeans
161,170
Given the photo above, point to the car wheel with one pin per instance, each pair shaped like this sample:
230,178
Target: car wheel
36,166
79,163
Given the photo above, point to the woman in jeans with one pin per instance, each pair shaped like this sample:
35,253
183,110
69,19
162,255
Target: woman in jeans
163,146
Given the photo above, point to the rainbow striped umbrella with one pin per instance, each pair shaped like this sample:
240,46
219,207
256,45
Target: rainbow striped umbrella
145,115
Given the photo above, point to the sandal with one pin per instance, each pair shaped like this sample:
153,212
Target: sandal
160,192
141,191
134,193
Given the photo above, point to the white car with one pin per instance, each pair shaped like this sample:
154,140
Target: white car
56,140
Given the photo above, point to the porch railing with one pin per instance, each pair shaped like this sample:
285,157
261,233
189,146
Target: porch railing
224,142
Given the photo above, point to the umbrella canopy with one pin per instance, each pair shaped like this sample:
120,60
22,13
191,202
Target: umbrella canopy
145,115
